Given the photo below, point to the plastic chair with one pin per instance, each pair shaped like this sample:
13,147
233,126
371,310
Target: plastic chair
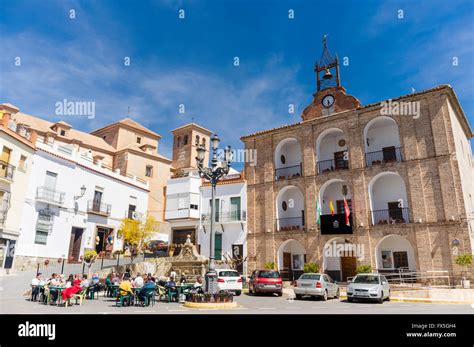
122,298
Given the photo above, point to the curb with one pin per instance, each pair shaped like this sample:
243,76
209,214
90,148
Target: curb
206,305
429,301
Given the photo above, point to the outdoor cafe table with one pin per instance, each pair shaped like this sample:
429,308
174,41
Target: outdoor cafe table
59,290
180,289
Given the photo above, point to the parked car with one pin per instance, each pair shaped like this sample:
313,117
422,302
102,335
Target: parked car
316,285
228,279
157,248
266,281
369,286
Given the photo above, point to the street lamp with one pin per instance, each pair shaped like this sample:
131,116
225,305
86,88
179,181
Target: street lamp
83,191
213,174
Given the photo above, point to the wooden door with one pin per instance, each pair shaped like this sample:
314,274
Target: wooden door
348,267
286,270
75,244
339,161
400,260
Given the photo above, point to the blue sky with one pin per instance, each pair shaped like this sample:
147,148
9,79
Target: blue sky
190,61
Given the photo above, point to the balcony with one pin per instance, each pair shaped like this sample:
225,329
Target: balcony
288,172
332,165
226,217
386,155
6,171
50,196
97,207
335,224
391,216
290,224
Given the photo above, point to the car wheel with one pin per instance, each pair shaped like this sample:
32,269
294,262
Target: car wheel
238,292
299,296
337,294
325,296
388,296
380,301
280,293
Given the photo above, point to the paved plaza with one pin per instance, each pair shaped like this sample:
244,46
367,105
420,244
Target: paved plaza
13,286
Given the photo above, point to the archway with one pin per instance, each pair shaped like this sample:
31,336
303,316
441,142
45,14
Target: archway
393,253
288,159
290,209
340,258
291,259
382,141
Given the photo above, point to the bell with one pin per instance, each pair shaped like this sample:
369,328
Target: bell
327,75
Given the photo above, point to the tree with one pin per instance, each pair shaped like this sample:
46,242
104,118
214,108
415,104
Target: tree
362,269
89,257
311,268
135,232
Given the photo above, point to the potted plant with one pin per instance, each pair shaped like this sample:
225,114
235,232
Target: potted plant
464,260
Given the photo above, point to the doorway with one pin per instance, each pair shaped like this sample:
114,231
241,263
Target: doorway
75,244
348,267
103,241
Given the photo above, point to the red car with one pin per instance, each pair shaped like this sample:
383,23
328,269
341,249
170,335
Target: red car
265,281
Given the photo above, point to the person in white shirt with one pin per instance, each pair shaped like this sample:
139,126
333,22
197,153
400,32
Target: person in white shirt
37,286
85,282
138,282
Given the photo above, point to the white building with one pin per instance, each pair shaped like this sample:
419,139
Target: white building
74,203
16,154
230,218
182,207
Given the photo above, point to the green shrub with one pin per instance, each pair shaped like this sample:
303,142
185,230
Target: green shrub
270,265
362,269
464,260
311,267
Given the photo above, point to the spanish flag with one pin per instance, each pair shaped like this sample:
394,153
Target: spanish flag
331,207
347,212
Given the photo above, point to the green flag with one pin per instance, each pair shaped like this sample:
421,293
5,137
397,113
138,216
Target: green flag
318,212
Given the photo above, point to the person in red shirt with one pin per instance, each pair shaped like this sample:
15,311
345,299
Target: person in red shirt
69,292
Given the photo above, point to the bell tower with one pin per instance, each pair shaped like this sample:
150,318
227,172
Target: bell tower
186,140
327,69
330,96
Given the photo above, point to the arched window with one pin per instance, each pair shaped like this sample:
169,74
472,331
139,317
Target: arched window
178,141
204,142
185,140
197,140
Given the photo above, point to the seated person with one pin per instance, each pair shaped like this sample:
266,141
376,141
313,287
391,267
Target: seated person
37,284
125,288
147,289
138,282
85,282
54,281
74,289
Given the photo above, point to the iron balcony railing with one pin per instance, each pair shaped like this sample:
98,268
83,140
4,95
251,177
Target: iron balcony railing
391,216
224,217
6,170
98,207
332,165
50,195
386,155
289,223
289,172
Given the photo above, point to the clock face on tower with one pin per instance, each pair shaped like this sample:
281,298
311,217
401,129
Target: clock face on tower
328,101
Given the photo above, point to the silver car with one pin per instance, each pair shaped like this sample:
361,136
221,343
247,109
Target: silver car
366,286
316,285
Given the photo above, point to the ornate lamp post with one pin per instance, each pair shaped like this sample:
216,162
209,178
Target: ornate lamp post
214,173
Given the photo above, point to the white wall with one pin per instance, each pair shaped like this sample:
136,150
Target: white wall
328,145
382,132
291,149
235,232
386,188
180,194
73,213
